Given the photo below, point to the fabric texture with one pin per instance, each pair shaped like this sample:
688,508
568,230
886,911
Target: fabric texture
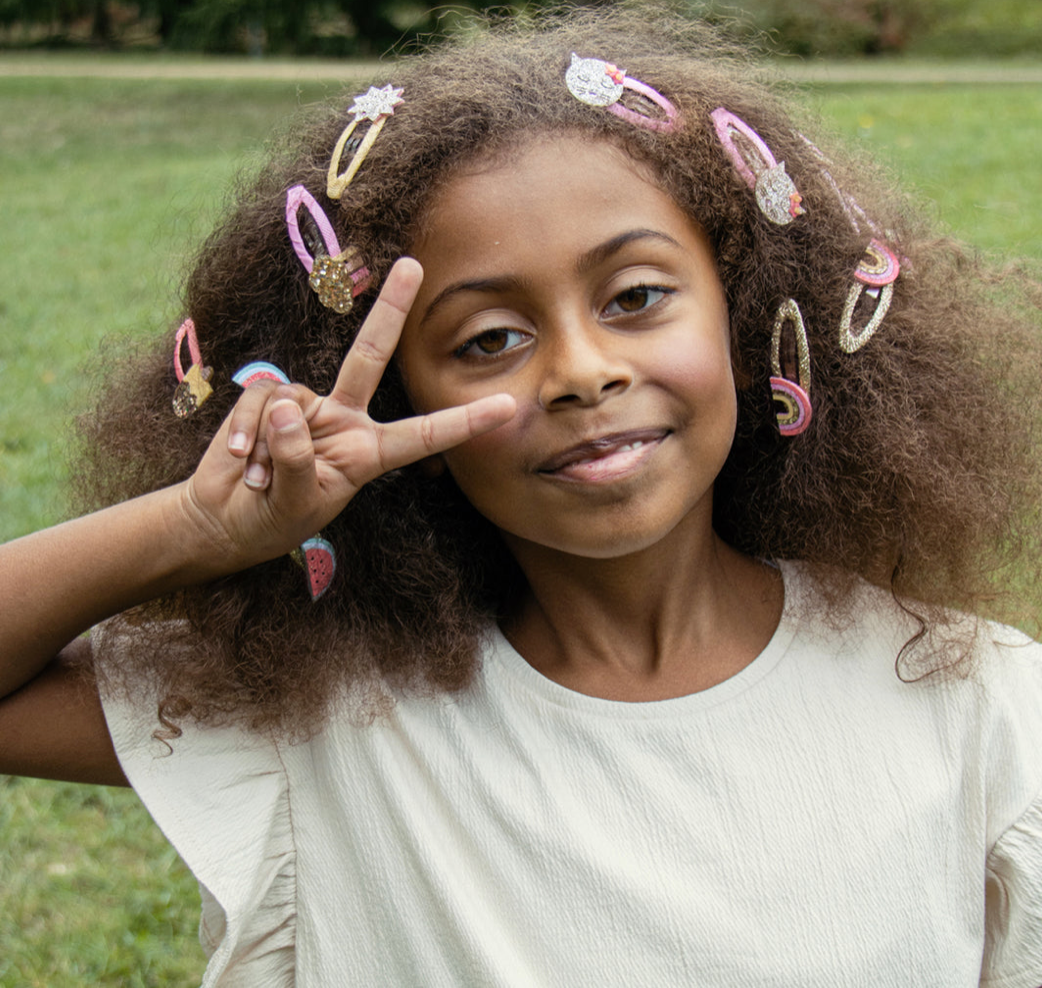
812,821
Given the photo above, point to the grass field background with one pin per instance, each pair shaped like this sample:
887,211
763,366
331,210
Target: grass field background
106,186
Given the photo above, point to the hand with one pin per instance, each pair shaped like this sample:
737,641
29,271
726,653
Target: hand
303,456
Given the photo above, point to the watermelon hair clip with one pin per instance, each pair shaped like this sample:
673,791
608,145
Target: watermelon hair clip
316,556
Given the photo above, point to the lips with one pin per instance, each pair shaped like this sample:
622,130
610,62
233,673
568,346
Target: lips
583,459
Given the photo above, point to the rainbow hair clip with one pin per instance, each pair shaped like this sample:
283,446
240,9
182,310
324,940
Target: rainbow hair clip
193,386
336,276
376,106
599,83
776,193
258,370
874,276
794,396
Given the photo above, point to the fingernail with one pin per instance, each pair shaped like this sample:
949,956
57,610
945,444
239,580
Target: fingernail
285,415
256,476
238,441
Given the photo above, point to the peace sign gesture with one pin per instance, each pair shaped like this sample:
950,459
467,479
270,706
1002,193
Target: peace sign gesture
304,456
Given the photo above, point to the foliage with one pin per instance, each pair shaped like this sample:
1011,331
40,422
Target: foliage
373,27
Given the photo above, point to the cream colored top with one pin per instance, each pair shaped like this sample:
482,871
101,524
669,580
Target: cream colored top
812,821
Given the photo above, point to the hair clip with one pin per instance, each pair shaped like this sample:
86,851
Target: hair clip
193,387
793,396
376,106
599,83
336,276
874,276
776,193
317,558
258,370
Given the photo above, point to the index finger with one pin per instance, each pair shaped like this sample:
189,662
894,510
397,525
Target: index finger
372,349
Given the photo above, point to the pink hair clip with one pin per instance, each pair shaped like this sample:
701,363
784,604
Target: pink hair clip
794,396
376,106
337,276
193,387
776,194
599,83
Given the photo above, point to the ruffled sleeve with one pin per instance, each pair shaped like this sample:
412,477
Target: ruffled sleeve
1013,956
221,798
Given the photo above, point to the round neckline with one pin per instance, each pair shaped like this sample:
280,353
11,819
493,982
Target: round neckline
503,658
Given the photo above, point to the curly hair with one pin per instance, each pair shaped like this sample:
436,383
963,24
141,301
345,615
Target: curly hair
916,472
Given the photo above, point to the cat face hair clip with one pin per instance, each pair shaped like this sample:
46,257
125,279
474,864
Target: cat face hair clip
599,83
775,191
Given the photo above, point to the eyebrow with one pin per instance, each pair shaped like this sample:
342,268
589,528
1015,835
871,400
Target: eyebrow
586,262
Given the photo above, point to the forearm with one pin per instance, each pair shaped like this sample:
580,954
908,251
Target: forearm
57,583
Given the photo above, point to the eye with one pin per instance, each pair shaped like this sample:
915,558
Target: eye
636,299
492,342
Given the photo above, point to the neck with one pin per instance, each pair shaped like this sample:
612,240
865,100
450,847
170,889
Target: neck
669,620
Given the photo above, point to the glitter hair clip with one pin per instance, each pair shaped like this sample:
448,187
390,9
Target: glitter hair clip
875,274
193,387
316,556
336,276
376,106
874,277
776,193
794,396
599,83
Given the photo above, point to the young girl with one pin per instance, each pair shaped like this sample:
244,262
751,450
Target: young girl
551,700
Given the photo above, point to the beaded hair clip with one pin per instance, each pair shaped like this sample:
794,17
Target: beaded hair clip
337,276
776,193
599,83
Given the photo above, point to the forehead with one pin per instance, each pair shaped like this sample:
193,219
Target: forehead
554,192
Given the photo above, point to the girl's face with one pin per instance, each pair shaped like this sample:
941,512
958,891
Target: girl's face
563,275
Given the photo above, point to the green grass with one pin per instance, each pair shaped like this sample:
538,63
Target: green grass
106,185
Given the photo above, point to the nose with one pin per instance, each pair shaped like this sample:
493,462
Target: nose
582,366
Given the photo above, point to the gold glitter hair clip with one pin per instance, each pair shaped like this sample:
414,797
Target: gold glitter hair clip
874,278
776,193
337,276
793,396
376,106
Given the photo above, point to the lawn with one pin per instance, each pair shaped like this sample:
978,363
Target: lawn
107,183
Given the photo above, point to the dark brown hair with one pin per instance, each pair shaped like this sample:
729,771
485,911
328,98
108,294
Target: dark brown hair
916,471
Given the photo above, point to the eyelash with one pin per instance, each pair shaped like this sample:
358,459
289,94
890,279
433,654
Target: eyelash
475,341
660,290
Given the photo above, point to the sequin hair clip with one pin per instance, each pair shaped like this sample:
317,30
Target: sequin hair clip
193,385
599,83
776,193
337,276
